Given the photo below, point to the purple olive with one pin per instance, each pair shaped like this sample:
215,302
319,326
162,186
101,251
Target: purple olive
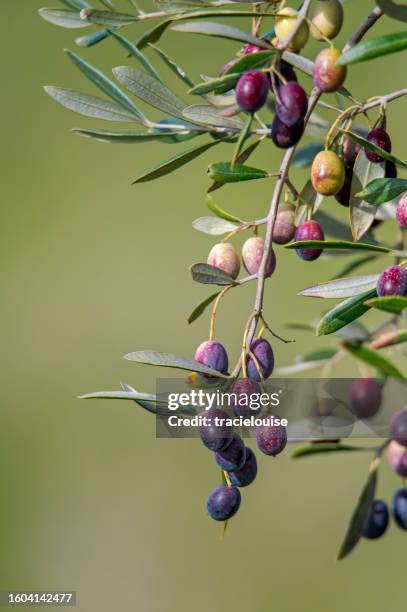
393,281
309,230
247,392
264,355
252,90
223,502
213,355
283,136
381,139
397,458
401,212
291,104
271,439
365,397
398,427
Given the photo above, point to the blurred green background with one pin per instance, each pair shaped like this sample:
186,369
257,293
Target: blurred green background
92,268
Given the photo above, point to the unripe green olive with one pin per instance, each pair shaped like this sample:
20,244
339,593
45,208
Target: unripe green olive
225,257
285,21
326,19
327,173
327,74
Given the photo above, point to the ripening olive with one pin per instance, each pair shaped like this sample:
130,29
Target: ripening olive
327,74
381,139
225,257
252,254
252,90
327,173
285,21
309,230
326,19
392,281
401,212
284,226
398,427
397,458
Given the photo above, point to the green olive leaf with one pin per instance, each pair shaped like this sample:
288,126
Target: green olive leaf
376,47
63,18
222,172
210,275
382,190
167,360
342,287
360,515
344,313
374,359
213,226
201,307
393,304
324,447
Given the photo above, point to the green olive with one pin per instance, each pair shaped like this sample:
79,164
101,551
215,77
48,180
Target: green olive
327,173
326,19
285,21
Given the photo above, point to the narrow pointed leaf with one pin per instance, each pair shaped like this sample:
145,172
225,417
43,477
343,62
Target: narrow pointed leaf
241,160
361,212
324,447
210,116
222,172
360,515
372,147
209,275
106,85
109,19
91,39
209,28
382,190
175,162
393,304
339,245
171,361
153,34
393,9
89,106
344,313
151,406
342,287
63,18
172,65
376,47
180,136
253,61
374,359
136,53
219,212
213,226
122,137
219,85
201,307
148,89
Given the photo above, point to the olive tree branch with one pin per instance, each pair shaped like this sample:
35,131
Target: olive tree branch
369,21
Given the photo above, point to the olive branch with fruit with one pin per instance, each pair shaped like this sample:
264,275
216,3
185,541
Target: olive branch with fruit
353,164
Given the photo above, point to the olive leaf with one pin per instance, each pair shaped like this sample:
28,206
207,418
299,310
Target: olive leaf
361,212
344,313
339,245
101,81
393,304
136,53
148,89
376,47
63,18
175,162
374,359
219,85
219,212
382,190
342,287
92,39
222,171
324,447
172,65
209,28
124,137
210,116
360,515
171,361
390,8
89,106
366,144
153,34
201,307
213,225
108,18
210,275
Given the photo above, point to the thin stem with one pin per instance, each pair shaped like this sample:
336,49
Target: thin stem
215,309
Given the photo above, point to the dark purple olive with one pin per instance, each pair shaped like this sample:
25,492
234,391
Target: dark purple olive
381,139
309,230
252,90
291,104
223,502
285,137
393,281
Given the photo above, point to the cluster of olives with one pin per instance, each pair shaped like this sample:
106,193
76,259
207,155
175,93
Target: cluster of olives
397,457
291,100
232,456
